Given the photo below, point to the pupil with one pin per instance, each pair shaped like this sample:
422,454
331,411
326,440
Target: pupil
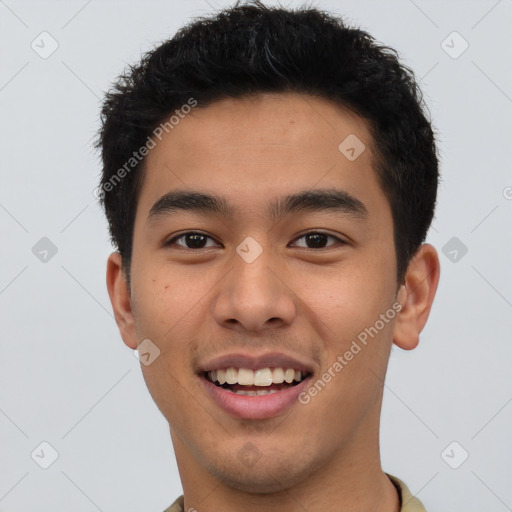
196,240
316,237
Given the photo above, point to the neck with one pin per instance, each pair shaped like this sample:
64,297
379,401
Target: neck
351,480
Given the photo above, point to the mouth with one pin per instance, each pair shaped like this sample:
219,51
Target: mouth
255,388
260,382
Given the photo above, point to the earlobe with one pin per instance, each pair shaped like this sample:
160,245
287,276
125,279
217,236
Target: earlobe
120,299
416,296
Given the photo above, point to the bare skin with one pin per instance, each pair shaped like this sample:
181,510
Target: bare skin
195,302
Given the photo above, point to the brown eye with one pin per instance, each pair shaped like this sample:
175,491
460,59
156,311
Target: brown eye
316,240
190,240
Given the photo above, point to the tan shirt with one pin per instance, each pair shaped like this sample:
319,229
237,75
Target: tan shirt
408,503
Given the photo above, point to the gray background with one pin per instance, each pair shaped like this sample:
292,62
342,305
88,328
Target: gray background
67,379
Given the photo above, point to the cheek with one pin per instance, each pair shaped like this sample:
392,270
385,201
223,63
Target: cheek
351,297
166,299
169,307
164,310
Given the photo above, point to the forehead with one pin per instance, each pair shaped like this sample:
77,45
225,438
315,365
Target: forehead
283,123
252,147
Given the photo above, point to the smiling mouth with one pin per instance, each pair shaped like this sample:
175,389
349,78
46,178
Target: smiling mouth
247,382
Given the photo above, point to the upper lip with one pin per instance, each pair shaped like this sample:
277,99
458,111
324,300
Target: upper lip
256,362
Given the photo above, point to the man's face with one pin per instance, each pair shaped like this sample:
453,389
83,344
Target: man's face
297,288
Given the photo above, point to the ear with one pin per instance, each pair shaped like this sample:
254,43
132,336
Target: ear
416,296
120,298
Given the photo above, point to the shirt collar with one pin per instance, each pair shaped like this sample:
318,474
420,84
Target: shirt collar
408,502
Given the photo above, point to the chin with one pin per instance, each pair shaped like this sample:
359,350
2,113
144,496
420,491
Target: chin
265,477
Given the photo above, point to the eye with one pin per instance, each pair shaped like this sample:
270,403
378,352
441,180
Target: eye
192,240
196,240
318,240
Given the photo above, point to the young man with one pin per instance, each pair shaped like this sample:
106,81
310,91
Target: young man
269,177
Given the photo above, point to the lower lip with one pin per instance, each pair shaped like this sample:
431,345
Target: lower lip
254,407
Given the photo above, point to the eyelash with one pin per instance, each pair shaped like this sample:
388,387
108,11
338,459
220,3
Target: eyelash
182,235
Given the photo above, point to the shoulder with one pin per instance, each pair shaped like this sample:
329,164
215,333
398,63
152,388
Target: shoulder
408,502
177,506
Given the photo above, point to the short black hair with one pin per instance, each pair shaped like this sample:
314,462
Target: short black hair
251,49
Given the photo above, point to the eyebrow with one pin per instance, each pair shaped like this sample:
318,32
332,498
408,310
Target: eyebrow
316,200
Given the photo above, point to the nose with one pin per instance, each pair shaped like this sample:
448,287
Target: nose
254,296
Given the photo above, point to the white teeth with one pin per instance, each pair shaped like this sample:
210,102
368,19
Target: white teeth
245,377
277,375
289,375
246,393
255,393
262,377
231,375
